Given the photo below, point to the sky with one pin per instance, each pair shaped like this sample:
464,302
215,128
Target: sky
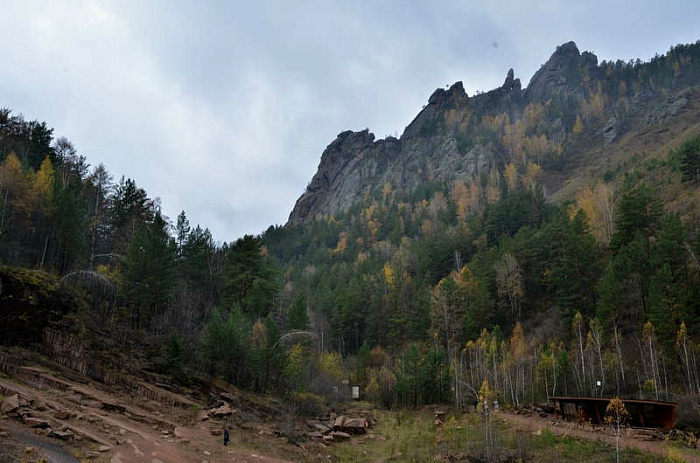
223,108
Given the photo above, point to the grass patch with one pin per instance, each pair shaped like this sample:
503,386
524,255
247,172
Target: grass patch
411,436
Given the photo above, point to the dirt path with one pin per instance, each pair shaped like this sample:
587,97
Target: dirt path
49,448
535,423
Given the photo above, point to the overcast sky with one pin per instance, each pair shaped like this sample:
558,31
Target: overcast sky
224,108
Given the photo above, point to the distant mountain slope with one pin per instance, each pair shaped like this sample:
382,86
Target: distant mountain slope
575,118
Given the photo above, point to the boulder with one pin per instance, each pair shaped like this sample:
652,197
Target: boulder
338,422
63,435
113,407
36,422
340,436
322,428
10,404
62,415
318,426
222,411
350,425
230,397
104,448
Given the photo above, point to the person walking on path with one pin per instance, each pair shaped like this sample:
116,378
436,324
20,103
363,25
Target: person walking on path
226,435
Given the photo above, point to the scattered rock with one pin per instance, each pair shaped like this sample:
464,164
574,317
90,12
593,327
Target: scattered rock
207,453
104,448
217,432
10,404
203,415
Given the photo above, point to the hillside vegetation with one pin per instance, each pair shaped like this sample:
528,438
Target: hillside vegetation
514,245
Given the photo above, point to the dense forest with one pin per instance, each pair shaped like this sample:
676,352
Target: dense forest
450,291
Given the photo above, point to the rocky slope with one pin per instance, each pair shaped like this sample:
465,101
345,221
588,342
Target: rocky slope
452,137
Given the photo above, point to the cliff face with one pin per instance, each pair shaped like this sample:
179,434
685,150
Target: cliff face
456,136
355,164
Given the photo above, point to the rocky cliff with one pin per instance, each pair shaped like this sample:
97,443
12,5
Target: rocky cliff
457,136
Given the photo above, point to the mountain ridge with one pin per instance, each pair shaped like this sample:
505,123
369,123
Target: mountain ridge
446,140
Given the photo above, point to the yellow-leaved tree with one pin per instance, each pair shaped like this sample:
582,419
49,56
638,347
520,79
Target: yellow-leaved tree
616,415
510,173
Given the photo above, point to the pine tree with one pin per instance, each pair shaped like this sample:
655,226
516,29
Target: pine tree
639,210
298,318
250,279
173,361
689,154
182,230
149,272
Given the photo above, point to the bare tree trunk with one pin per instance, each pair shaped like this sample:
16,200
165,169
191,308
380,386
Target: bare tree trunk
43,253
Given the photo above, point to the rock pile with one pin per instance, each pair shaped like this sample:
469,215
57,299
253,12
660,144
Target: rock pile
337,428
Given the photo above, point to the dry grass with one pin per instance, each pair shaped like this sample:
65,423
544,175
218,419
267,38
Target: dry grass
406,436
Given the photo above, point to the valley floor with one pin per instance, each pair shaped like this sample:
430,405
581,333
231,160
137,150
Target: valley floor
63,417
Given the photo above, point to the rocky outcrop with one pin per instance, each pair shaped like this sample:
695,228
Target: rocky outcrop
436,146
669,107
563,73
348,166
355,164
30,300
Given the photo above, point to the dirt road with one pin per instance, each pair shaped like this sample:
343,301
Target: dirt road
536,423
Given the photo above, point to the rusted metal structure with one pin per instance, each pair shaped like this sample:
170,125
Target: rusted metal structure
643,413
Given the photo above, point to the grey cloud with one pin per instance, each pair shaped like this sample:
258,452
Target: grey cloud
223,108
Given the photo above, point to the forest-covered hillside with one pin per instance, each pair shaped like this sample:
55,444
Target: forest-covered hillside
567,255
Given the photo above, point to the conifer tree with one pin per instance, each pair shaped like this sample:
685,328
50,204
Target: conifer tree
298,317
